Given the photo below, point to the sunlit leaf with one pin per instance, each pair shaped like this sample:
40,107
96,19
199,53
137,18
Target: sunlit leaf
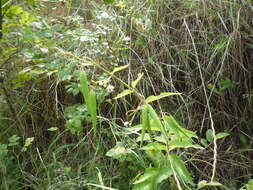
28,142
124,93
135,82
117,69
154,146
53,129
162,95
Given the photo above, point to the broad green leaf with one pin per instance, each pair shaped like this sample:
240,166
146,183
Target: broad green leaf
154,146
124,93
149,173
179,167
221,135
177,143
152,178
179,131
209,135
117,69
135,82
162,95
156,119
118,152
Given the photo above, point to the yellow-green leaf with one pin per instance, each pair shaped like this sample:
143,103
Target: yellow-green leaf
154,146
28,142
162,95
135,82
117,69
124,93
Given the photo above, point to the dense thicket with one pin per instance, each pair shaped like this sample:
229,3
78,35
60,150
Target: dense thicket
148,94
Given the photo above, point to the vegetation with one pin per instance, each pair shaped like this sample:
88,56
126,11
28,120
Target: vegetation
125,94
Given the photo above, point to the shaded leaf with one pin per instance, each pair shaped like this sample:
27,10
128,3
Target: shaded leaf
221,135
179,131
177,143
180,168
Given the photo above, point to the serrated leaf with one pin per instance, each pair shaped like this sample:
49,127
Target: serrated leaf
162,95
180,168
135,82
117,69
124,93
154,146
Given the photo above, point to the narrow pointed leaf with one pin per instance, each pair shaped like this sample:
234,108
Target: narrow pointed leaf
135,82
124,93
162,95
144,121
93,110
117,69
84,86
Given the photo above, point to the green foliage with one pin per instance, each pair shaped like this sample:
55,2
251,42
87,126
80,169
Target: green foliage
90,99
54,52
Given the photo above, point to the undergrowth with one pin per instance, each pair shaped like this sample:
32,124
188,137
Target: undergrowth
140,95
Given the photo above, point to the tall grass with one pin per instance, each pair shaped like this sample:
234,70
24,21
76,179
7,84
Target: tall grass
201,49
